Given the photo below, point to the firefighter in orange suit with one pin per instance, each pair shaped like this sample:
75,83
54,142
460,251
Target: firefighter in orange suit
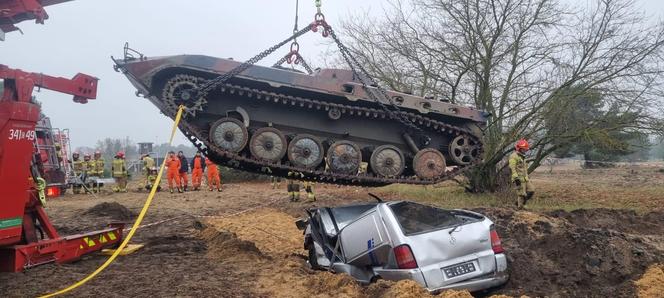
214,179
173,174
197,169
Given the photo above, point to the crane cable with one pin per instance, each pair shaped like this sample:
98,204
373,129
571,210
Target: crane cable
297,7
137,223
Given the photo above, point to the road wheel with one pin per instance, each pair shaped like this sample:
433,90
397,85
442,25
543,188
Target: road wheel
229,134
305,151
268,144
344,157
429,163
387,161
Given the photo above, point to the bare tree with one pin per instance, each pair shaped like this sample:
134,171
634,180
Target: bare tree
516,59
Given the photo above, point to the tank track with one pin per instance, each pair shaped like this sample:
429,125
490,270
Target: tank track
200,139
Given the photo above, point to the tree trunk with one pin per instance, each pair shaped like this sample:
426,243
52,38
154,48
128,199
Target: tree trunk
488,177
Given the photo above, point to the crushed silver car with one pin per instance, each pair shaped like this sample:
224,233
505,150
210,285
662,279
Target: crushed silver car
438,248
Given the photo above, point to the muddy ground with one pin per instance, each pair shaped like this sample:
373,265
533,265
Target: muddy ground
243,243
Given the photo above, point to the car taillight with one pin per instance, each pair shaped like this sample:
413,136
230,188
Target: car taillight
404,256
495,242
53,191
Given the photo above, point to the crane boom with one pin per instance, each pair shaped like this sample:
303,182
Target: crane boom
15,11
19,85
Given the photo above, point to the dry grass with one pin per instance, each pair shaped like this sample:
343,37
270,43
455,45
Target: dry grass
624,188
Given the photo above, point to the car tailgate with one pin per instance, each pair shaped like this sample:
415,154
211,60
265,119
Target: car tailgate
454,254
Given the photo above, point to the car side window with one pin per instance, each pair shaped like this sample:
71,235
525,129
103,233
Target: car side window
417,218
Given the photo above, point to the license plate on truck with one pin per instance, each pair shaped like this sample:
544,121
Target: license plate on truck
459,269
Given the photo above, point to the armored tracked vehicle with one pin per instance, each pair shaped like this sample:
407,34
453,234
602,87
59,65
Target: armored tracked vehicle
324,125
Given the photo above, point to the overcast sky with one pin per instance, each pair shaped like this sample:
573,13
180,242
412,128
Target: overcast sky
80,36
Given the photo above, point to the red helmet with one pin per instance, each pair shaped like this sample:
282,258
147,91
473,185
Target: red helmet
522,145
87,155
97,152
75,154
120,154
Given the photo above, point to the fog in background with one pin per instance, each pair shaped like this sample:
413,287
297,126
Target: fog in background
81,35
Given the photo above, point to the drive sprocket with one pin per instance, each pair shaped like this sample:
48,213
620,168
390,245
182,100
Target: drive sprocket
181,90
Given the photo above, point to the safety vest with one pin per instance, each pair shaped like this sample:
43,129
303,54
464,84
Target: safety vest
518,167
148,163
119,169
89,166
98,166
79,166
152,179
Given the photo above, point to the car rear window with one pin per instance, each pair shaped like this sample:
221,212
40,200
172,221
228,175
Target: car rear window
416,218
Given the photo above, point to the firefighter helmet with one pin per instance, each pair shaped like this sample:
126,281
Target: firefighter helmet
522,145
120,154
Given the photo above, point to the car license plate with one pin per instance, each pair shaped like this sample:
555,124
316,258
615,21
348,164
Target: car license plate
459,269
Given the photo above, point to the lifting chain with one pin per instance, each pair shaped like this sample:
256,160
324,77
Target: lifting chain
214,83
293,56
365,78
298,60
377,94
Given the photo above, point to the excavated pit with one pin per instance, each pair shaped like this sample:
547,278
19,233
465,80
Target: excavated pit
595,252
579,253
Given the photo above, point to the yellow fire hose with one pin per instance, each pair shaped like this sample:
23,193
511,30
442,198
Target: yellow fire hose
137,223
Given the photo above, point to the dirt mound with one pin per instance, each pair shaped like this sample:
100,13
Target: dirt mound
224,245
579,253
272,231
626,221
113,210
651,284
342,285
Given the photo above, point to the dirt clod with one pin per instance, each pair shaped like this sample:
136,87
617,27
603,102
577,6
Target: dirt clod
113,210
651,284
